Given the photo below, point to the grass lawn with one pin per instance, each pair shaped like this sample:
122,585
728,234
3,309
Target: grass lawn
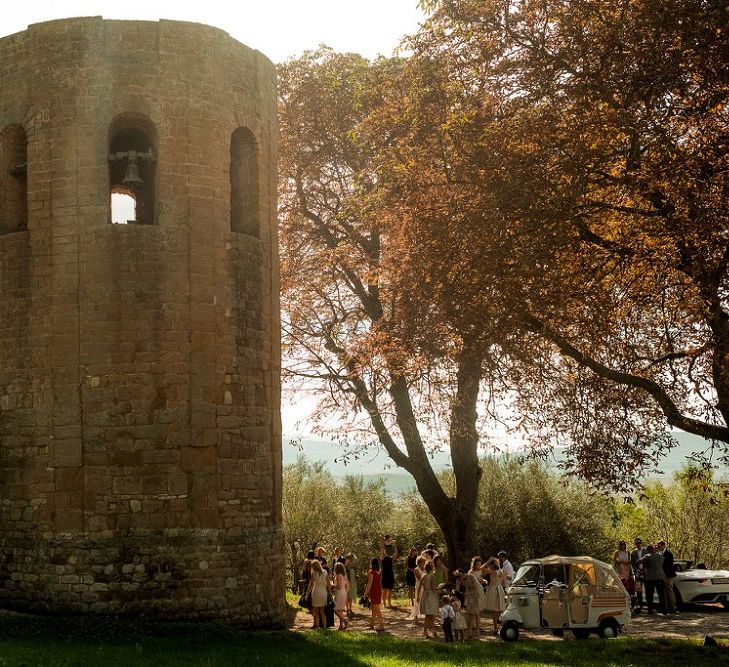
32,640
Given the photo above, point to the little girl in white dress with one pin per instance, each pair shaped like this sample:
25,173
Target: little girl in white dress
459,622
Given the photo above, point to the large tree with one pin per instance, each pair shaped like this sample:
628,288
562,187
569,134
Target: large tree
567,166
341,309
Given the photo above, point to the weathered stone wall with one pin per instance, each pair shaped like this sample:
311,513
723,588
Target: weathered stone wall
140,458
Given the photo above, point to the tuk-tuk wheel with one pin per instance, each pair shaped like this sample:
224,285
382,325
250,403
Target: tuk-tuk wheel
581,633
608,629
509,631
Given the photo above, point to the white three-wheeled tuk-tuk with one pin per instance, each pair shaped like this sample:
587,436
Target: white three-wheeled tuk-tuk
561,593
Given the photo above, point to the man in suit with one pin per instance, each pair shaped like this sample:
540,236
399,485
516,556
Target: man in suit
638,572
669,569
655,578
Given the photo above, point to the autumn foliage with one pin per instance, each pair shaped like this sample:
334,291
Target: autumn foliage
560,182
522,220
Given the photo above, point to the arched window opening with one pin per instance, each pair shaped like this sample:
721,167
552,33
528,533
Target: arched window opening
123,205
244,215
13,179
132,167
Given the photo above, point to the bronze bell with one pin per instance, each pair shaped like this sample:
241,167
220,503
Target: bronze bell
132,177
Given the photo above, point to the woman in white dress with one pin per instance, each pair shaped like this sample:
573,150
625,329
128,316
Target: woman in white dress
495,601
428,599
319,591
474,595
419,573
341,593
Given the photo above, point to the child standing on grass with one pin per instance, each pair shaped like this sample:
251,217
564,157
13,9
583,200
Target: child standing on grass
459,619
446,617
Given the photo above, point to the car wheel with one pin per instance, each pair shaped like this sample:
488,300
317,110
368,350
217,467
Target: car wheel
725,604
509,631
581,633
608,629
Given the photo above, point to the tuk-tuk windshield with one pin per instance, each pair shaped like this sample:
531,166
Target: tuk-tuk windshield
526,575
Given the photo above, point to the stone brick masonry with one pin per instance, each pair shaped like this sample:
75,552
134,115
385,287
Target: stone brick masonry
140,457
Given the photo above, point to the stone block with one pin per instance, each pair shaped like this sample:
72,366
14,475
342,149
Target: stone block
69,479
66,521
177,484
127,485
198,459
65,453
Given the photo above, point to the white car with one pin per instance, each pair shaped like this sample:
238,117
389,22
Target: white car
697,585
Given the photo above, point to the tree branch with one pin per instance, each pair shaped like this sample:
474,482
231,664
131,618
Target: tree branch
668,406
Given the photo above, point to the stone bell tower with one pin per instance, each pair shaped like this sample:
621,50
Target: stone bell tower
140,444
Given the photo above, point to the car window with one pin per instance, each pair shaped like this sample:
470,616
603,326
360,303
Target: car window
554,573
682,565
583,574
527,575
610,582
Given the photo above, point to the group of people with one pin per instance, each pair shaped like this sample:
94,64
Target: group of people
645,571
329,589
456,598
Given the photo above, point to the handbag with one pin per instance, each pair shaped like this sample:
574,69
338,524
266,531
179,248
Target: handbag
364,601
305,601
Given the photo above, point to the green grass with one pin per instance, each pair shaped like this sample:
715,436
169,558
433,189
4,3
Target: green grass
33,640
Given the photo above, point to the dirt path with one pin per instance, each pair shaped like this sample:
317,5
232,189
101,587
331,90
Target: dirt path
697,621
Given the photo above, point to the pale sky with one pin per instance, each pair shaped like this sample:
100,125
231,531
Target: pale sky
278,28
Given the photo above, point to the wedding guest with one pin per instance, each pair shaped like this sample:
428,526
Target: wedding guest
507,568
459,618
373,590
319,591
655,578
446,617
474,595
428,599
341,591
440,571
410,565
495,599
349,563
419,574
388,554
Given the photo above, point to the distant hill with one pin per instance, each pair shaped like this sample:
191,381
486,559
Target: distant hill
374,463
677,458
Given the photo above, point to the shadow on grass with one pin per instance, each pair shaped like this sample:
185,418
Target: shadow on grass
53,640
60,640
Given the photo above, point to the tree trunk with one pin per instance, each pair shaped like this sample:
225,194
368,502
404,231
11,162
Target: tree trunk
464,456
456,516
461,541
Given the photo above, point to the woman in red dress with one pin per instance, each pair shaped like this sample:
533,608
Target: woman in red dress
374,592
